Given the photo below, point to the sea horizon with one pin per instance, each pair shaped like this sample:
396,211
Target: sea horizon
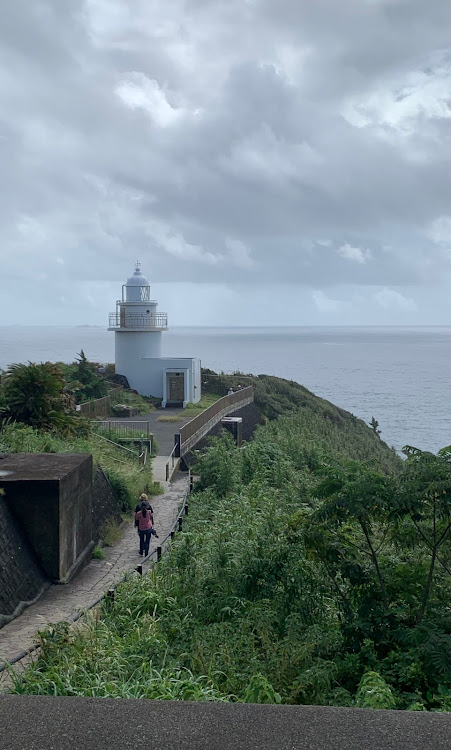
400,375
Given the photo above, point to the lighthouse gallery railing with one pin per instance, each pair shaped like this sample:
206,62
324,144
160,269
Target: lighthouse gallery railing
153,321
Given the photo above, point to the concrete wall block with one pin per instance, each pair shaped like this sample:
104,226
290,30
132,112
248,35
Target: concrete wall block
21,577
49,496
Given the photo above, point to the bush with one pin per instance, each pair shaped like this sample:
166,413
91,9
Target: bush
373,692
121,489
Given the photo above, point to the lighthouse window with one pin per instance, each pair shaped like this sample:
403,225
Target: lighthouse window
148,312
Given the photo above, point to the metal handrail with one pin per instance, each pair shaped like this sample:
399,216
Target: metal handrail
118,445
135,320
121,426
171,459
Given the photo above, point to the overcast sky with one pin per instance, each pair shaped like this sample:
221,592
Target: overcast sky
269,162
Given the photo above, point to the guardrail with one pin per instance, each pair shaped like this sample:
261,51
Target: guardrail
109,594
212,415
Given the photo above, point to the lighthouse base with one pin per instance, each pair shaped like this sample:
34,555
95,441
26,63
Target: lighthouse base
176,380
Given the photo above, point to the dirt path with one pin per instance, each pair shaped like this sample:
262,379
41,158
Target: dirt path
61,602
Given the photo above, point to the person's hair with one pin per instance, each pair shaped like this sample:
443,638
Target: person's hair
143,507
143,497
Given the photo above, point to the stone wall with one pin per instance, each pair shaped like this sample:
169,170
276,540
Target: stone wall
105,504
22,580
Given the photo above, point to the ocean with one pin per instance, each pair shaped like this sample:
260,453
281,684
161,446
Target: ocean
401,376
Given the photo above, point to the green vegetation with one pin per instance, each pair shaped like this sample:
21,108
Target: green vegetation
98,553
110,532
272,396
82,379
141,404
37,403
121,466
36,395
314,567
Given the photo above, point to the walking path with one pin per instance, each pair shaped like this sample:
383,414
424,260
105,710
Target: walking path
164,432
61,602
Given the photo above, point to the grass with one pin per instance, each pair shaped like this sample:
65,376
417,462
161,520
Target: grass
98,553
168,418
144,404
122,467
192,410
110,532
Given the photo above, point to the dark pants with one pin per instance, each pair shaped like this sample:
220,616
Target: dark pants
144,541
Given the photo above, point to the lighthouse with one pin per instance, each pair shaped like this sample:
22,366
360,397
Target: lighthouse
138,329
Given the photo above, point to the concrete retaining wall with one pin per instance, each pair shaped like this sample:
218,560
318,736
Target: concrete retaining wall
55,490
22,580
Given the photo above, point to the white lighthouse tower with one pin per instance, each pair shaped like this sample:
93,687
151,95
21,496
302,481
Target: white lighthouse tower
137,330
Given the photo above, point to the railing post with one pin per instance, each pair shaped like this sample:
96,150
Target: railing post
191,482
158,554
139,569
110,594
186,509
180,523
177,443
172,534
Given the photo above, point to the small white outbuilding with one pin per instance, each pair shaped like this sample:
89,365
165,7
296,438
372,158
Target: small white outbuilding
138,329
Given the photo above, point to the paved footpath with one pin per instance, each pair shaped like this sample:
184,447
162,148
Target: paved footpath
60,602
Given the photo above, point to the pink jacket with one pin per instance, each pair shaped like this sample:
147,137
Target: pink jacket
144,524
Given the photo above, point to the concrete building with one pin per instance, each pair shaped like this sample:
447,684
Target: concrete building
138,329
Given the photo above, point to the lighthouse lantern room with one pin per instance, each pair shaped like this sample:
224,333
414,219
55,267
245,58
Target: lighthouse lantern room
138,331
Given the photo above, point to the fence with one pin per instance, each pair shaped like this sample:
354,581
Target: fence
153,558
122,429
208,418
99,407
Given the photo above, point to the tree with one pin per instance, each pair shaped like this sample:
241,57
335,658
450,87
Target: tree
374,424
92,386
34,394
353,515
424,501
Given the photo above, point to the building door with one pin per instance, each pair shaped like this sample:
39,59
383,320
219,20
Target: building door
176,387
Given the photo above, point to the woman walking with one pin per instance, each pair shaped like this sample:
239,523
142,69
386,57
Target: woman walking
143,520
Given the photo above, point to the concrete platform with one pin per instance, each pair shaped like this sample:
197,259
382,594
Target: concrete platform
50,723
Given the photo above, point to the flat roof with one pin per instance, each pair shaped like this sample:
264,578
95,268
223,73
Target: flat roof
35,466
54,723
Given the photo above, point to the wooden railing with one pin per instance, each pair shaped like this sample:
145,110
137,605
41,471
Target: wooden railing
209,417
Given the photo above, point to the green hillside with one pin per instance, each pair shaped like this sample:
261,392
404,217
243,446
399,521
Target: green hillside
314,567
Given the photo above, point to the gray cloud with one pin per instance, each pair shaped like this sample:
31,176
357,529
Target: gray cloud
260,143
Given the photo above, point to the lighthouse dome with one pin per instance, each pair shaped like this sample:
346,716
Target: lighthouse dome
137,288
137,279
